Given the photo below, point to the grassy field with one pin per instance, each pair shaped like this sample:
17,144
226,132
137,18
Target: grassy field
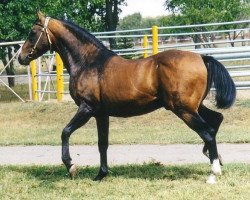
7,96
42,123
148,181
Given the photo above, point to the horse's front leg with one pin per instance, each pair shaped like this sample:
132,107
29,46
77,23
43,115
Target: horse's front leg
81,117
103,132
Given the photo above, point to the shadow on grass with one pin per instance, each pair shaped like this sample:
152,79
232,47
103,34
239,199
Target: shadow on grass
150,171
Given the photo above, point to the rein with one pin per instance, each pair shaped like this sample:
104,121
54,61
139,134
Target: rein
44,29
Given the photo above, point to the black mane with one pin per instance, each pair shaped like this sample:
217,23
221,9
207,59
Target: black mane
83,34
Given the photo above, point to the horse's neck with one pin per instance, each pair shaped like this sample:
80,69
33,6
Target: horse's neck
76,58
76,54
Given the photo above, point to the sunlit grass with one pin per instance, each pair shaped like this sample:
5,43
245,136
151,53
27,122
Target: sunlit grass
42,123
148,181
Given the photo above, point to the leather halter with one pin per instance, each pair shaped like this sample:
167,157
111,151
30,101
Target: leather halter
44,29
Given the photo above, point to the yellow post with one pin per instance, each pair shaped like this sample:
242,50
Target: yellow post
59,77
33,80
145,45
155,39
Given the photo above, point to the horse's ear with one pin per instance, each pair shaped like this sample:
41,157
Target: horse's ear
40,15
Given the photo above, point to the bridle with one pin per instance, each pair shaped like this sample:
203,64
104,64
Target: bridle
44,29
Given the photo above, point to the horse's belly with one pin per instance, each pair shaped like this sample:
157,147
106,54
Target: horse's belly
128,109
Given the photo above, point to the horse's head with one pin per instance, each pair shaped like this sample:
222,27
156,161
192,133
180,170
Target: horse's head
38,41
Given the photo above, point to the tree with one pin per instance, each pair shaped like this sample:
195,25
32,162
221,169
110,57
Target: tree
16,18
86,13
136,21
199,12
133,21
111,17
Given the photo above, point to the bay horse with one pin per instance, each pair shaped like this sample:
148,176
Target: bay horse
104,84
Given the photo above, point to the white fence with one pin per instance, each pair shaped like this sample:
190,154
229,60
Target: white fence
223,44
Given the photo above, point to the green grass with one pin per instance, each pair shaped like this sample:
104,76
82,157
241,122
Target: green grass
147,181
42,123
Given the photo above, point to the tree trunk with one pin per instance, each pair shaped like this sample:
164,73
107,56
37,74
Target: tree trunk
11,80
111,19
10,69
212,36
196,40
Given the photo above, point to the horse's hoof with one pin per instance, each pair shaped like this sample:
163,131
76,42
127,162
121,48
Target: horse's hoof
72,171
211,179
100,176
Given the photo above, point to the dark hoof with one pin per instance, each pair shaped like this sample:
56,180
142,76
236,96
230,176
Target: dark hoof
100,176
72,171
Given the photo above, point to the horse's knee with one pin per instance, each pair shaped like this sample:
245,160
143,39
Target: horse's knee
65,133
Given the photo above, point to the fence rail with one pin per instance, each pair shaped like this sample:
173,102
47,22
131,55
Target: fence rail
234,53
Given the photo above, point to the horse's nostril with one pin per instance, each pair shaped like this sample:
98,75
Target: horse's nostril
23,60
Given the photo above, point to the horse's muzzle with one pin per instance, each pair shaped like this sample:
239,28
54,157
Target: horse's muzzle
24,59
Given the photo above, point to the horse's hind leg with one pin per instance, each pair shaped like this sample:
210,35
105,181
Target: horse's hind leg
214,119
205,131
81,117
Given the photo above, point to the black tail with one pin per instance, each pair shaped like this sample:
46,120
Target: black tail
223,83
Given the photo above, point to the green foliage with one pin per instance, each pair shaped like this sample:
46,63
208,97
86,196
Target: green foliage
124,43
17,16
202,12
136,21
199,11
87,14
131,22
